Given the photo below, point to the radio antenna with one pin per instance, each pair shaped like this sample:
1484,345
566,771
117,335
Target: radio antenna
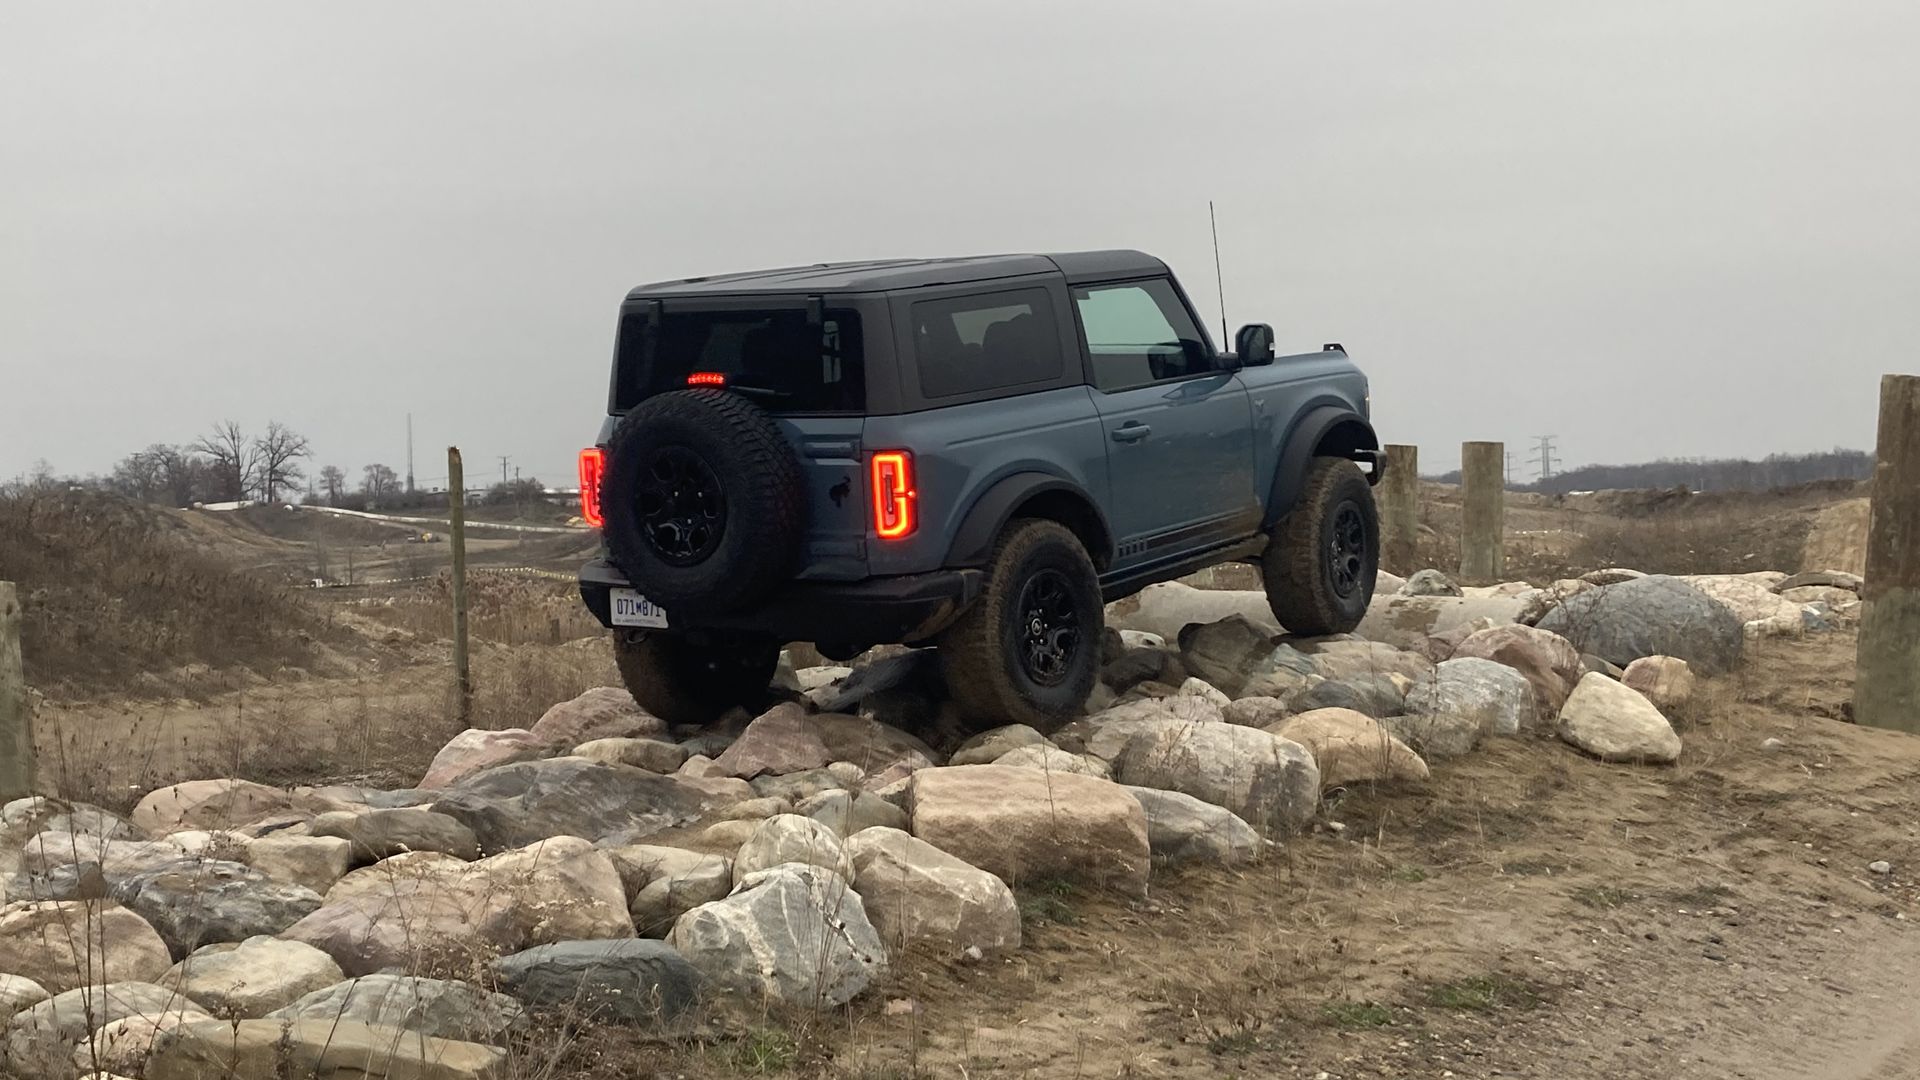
1219,282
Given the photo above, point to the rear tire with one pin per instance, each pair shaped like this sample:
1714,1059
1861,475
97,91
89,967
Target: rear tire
684,683
1028,650
1322,558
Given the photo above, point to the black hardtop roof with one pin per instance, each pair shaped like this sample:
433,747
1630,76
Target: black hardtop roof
886,274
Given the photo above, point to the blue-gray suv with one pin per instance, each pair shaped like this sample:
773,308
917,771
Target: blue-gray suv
973,453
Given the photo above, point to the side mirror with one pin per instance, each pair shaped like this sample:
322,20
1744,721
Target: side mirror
1254,344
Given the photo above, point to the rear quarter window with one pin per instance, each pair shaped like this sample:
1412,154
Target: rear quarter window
777,357
970,344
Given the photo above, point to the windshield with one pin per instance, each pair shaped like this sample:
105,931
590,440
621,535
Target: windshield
778,357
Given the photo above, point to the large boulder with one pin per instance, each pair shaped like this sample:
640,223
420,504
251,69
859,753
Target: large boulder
664,883
604,712
1429,582
432,911
1374,695
1225,653
792,935
64,944
336,1050
1349,658
984,748
1182,829
653,755
1548,661
520,804
1651,616
475,751
377,834
1268,781
636,981
1349,747
212,804
1498,697
848,812
868,743
19,992
1405,622
253,977
116,859
1751,597
790,838
441,1008
780,741
1053,759
1614,722
1024,825
914,893
41,1040
313,861
1666,681
1169,607
194,901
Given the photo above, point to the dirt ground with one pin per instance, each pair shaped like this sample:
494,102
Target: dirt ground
1529,912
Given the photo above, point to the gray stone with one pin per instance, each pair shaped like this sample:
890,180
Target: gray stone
193,902
794,787
41,1038
19,992
848,812
117,859
1169,607
1131,668
665,883
441,1008
64,944
757,809
1651,616
638,981
1374,695
1545,659
604,712
334,1049
378,834
1024,825
1270,782
516,805
1498,697
1832,579
313,861
1182,829
1256,711
1225,653
790,838
792,935
1615,722
1429,583
915,893
1437,735
1405,622
988,745
252,977
1053,759
868,744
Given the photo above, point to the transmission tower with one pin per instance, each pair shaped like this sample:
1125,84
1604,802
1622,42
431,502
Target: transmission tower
1543,457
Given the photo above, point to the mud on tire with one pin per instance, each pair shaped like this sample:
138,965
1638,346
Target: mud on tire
1322,558
1028,650
682,682
704,500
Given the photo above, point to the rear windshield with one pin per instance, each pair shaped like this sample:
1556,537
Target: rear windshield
777,357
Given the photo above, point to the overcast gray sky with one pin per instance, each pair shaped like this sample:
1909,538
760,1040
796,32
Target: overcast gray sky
1652,228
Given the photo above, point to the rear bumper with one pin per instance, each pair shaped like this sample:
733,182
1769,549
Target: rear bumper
883,610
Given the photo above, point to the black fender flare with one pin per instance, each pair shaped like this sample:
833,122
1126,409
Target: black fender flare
1354,439
973,540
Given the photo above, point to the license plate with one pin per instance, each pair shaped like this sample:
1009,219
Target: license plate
632,609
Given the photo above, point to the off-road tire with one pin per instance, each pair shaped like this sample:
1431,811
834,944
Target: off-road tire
759,491
1301,567
982,651
684,683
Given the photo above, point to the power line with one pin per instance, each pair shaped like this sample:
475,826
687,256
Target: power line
1543,457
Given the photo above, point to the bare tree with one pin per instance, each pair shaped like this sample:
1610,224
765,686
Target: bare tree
276,460
230,460
379,480
334,483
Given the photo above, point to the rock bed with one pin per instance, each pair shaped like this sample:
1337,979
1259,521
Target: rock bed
600,868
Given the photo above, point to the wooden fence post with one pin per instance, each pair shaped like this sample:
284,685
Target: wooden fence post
1886,690
457,536
1400,509
17,773
1483,499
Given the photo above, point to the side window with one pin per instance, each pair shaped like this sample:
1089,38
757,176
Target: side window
973,343
1139,333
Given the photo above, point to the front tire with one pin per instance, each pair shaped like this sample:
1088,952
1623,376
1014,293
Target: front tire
1322,558
684,683
1028,650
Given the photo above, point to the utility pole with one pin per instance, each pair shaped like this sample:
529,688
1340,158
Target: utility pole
1509,468
1483,513
1543,457
457,535
1886,689
1400,508
503,468
409,453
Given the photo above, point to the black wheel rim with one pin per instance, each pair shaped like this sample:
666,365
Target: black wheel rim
1047,634
682,507
1346,549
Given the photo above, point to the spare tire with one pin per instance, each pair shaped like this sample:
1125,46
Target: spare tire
704,500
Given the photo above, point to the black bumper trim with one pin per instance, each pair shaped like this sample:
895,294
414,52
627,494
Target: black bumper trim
883,610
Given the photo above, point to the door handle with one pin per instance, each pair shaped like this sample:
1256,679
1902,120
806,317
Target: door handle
1131,431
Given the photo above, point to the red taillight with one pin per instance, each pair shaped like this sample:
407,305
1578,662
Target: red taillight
894,513
593,461
706,378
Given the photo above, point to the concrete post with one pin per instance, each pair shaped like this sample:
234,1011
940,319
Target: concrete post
16,725
1400,509
457,536
1886,690
1483,499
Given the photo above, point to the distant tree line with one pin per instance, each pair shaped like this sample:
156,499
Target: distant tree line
1705,474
